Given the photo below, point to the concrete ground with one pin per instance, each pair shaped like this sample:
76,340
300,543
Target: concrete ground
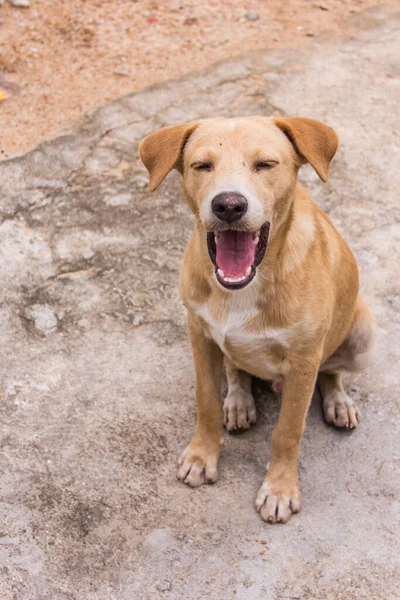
97,379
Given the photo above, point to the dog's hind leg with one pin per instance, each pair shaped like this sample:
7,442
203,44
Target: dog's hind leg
239,406
353,356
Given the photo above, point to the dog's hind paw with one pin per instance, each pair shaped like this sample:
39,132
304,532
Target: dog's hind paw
341,410
239,410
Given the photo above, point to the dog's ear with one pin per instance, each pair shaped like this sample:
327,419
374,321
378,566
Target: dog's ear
314,141
161,151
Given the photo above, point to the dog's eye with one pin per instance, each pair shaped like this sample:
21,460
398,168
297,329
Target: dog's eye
202,166
264,165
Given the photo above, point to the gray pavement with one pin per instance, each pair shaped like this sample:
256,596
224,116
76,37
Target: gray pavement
97,394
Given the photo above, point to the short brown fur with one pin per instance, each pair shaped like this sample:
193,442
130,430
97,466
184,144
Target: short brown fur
299,321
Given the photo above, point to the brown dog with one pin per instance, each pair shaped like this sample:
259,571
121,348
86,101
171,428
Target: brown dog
269,285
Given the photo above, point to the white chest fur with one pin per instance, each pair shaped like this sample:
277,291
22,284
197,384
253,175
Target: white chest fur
232,328
235,327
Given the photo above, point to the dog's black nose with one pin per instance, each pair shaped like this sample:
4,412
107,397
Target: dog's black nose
229,206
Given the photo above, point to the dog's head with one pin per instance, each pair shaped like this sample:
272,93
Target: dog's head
239,178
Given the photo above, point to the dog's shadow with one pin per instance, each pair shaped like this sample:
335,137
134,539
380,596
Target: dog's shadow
254,453
268,404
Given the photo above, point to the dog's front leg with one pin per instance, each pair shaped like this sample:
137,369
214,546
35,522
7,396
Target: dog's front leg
279,495
198,462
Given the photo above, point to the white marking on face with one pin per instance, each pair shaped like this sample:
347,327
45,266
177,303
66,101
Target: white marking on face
254,215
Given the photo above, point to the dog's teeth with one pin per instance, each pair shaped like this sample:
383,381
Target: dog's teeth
248,271
256,240
235,279
232,279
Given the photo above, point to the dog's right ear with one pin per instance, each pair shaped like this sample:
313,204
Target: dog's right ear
161,151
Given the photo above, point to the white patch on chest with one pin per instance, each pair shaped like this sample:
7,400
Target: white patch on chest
220,330
235,328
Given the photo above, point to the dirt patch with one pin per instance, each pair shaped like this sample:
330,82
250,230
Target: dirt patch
59,59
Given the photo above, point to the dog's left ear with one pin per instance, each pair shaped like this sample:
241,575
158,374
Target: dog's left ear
314,141
161,151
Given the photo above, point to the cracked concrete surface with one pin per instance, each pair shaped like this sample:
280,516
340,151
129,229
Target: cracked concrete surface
97,380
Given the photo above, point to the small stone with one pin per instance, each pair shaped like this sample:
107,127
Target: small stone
121,199
190,21
43,317
251,15
216,538
84,323
88,253
137,320
142,181
19,3
164,586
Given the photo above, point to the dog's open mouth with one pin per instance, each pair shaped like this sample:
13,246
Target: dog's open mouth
237,254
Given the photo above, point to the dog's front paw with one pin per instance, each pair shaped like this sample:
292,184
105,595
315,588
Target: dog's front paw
239,410
278,499
198,463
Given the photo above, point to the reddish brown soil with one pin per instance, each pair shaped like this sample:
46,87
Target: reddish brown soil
61,58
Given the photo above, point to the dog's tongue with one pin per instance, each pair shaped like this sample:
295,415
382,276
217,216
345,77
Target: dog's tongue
235,252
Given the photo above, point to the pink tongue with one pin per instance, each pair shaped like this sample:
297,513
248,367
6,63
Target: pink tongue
235,252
